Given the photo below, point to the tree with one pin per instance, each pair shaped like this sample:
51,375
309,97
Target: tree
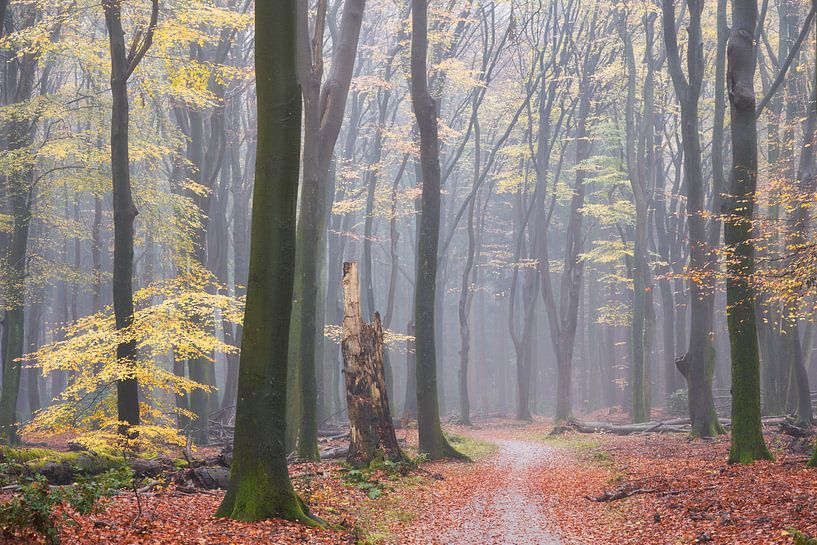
697,366
798,238
563,317
123,63
20,190
175,317
324,104
259,483
432,441
748,444
637,172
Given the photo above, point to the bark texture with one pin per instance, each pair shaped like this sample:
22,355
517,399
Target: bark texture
432,440
370,424
748,444
259,482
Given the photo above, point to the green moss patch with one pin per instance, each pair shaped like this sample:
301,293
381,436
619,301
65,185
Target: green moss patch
475,449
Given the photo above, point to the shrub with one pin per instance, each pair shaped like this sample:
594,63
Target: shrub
801,538
678,402
37,506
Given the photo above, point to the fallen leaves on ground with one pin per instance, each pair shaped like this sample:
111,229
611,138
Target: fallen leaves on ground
171,517
685,492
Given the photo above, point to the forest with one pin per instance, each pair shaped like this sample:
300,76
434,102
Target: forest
408,272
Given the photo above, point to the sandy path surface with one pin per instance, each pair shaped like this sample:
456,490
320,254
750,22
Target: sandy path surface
505,507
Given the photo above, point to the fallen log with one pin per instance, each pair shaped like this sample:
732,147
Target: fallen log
623,429
209,478
794,430
334,453
65,472
676,425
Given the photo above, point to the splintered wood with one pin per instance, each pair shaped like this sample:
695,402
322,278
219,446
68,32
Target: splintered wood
371,426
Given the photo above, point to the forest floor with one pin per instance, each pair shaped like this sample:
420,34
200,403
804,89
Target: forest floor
524,488
675,491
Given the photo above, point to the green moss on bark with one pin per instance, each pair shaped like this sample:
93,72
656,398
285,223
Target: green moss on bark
259,494
259,481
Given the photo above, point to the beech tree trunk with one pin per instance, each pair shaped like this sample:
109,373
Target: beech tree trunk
806,182
747,436
698,365
410,403
641,302
124,61
20,194
432,441
259,482
370,424
324,107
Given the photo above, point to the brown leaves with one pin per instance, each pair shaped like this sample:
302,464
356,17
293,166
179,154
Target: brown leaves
668,490
694,496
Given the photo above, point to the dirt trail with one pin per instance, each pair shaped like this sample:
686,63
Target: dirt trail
506,507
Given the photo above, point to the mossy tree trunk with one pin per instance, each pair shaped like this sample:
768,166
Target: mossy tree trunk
748,444
259,482
432,440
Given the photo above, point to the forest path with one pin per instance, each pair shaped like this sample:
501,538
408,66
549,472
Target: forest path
504,505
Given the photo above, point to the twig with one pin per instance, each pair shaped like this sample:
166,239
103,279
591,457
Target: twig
620,494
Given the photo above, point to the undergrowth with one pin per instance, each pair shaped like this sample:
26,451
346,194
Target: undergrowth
40,507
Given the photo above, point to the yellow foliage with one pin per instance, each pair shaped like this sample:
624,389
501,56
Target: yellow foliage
175,320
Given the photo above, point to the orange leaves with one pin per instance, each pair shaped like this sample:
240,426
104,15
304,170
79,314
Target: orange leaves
695,497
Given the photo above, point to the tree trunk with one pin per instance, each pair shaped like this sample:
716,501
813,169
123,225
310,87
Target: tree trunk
32,344
639,366
464,305
370,423
324,108
259,482
806,183
410,403
698,365
20,194
747,436
432,441
123,62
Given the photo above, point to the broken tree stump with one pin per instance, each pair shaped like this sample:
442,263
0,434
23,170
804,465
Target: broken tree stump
371,428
